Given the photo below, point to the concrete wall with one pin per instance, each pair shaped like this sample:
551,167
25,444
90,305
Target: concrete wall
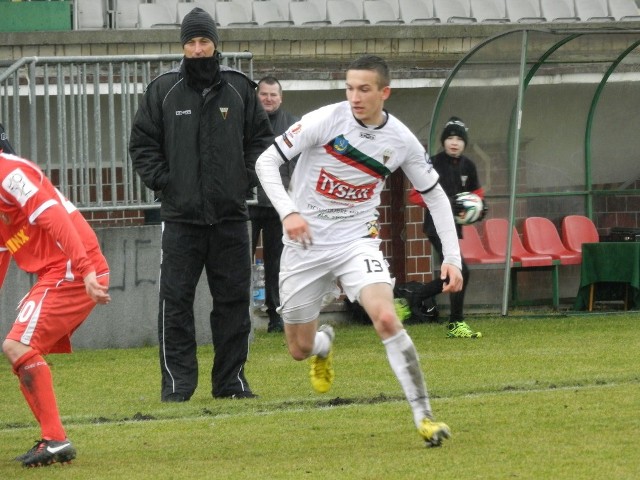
130,320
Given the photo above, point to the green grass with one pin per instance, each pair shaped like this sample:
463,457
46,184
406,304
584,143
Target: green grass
536,398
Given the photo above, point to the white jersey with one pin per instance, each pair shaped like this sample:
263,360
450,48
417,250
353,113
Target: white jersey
341,171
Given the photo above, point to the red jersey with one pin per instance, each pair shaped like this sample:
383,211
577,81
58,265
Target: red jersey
42,230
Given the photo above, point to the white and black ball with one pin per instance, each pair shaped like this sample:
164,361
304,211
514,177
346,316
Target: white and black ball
467,208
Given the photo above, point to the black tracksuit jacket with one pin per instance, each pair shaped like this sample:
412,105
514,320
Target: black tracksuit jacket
184,145
457,175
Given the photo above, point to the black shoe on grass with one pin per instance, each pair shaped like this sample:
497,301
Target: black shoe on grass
20,458
48,452
175,398
238,395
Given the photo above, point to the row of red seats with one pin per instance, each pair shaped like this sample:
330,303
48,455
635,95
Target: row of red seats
541,243
541,248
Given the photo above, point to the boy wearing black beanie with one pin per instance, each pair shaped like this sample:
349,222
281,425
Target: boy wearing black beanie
457,174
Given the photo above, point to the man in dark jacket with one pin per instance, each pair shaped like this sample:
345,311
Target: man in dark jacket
264,218
457,174
195,139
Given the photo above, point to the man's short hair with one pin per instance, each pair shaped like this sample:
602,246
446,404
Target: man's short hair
374,64
270,80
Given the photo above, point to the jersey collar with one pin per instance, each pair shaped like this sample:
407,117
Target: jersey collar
386,119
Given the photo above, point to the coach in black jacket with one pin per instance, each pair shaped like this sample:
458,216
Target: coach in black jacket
195,139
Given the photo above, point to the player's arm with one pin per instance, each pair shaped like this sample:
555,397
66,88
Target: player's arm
5,260
415,198
425,180
268,169
442,215
297,229
440,209
55,220
96,291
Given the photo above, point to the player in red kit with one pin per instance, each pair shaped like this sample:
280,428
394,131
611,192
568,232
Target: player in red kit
46,235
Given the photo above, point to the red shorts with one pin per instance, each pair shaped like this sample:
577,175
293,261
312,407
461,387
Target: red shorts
50,313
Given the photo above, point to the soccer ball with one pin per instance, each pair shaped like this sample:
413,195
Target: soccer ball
467,208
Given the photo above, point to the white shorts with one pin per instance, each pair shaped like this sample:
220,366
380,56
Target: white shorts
309,278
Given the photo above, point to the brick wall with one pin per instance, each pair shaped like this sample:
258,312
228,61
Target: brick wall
115,218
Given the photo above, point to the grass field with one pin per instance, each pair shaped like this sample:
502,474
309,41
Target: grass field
536,398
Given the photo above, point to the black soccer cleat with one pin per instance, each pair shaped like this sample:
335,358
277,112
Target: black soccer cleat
20,458
48,452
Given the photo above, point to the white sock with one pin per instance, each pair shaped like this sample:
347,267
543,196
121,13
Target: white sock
321,344
404,362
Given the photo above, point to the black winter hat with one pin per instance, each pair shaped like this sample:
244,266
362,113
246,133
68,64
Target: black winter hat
455,127
198,23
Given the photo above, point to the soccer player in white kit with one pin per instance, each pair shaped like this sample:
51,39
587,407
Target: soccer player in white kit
330,223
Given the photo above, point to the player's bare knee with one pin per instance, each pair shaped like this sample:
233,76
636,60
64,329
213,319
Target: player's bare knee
387,324
9,348
298,353
300,347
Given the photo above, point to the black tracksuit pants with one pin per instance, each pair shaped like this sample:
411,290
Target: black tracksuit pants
267,221
223,251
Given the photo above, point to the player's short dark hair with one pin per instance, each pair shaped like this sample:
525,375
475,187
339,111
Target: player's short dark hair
270,80
375,64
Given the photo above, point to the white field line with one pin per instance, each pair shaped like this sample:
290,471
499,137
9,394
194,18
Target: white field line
310,405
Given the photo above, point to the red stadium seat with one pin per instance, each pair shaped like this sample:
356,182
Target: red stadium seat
495,235
473,250
541,236
576,230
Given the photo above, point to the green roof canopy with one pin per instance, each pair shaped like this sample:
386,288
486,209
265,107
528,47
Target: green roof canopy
554,124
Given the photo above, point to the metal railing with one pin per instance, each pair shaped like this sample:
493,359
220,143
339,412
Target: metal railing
73,115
